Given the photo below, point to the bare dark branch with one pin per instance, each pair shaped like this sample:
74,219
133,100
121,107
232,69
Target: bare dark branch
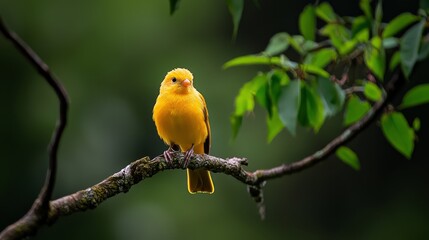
38,213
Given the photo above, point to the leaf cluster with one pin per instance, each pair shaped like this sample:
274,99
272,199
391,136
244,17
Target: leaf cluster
340,67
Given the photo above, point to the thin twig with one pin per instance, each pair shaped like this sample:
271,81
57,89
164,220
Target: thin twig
354,89
39,210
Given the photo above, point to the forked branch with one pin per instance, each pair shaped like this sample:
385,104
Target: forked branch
38,213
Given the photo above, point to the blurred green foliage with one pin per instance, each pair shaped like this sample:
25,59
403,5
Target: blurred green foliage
112,56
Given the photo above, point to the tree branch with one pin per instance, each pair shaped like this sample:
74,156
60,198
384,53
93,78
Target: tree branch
137,171
45,212
144,168
38,213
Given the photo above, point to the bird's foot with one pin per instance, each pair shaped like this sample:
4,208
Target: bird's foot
188,155
168,157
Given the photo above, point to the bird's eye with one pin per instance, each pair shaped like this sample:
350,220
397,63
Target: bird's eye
174,79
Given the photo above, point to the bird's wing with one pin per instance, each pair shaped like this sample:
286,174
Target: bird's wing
206,120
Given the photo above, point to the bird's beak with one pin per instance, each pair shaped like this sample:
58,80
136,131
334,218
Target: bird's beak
186,83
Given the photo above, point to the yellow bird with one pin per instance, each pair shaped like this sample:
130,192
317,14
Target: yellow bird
182,121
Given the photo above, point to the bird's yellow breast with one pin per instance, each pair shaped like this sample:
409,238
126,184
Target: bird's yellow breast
179,119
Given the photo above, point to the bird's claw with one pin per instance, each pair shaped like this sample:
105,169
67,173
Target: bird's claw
187,158
168,157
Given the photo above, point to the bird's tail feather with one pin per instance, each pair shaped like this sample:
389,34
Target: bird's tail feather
200,181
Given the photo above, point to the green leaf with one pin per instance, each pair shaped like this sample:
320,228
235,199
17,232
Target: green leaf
355,110
296,42
277,79
416,124
424,50
289,102
394,60
262,95
347,47
315,70
252,60
279,76
366,8
321,58
398,23
259,81
274,124
235,124
278,44
372,91
349,157
174,5
338,34
307,23
409,49
244,102
301,45
390,42
375,58
309,45
311,112
359,24
331,94
235,8
399,134
377,18
287,63
325,12
362,36
416,96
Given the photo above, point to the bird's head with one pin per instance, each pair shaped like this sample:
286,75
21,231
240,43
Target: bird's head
178,80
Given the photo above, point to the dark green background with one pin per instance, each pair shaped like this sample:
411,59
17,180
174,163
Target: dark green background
111,57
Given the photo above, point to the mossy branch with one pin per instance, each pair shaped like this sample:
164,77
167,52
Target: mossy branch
137,171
